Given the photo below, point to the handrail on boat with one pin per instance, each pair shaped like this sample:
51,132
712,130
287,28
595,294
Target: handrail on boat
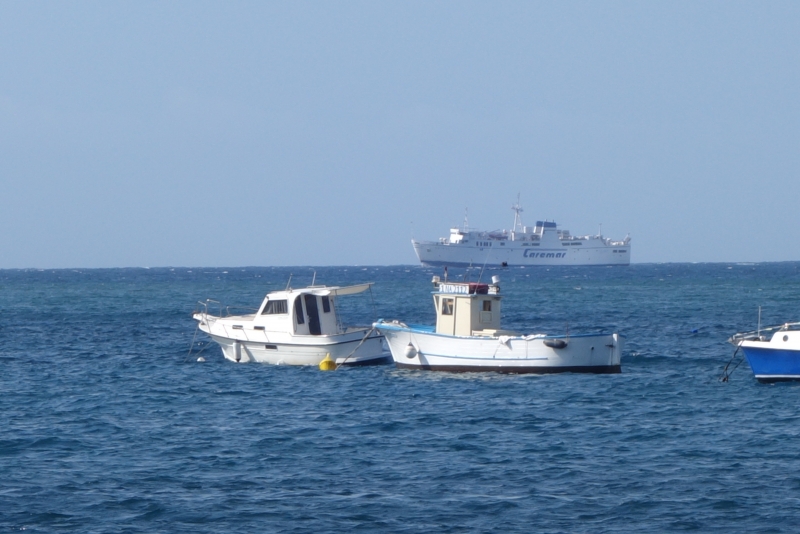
204,305
229,308
753,335
226,309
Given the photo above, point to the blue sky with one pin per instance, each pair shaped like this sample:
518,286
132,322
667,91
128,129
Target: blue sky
330,133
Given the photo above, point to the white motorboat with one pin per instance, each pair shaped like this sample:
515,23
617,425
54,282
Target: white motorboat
542,244
467,337
294,327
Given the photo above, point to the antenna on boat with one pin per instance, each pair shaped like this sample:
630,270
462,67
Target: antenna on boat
466,220
289,283
374,308
759,322
314,278
482,268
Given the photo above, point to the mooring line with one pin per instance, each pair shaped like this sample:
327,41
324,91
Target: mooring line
355,349
727,374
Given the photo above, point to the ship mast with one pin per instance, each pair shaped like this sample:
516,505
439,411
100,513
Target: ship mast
517,218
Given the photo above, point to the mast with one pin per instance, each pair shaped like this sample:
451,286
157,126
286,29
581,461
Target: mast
517,218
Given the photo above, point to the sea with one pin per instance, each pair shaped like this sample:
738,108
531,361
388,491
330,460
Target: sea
118,416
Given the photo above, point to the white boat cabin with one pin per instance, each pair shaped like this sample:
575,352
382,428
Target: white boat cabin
467,309
307,311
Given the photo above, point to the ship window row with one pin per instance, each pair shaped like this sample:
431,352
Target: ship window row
622,251
274,307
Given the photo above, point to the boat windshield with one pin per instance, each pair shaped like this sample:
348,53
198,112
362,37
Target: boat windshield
274,307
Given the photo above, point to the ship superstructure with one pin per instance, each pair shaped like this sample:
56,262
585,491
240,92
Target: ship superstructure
541,244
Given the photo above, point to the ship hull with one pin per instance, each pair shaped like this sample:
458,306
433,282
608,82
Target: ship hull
770,364
415,348
514,253
351,348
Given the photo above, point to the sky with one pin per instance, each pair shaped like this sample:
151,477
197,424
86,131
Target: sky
147,134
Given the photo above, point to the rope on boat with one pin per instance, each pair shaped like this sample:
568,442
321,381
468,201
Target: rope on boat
191,347
374,309
371,330
727,374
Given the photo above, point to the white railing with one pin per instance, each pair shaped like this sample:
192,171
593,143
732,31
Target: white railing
759,335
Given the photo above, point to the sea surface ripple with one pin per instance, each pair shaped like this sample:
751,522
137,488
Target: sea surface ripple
109,424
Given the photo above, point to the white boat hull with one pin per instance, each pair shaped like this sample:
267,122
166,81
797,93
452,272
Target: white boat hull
588,353
515,253
244,344
342,352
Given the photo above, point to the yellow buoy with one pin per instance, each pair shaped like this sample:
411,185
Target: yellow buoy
327,364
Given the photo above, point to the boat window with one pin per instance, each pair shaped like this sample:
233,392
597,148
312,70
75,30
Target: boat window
447,306
313,315
274,307
298,310
487,305
326,304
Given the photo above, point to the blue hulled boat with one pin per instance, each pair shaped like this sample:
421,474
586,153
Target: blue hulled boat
773,353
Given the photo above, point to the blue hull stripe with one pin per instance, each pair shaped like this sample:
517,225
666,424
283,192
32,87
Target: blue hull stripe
596,369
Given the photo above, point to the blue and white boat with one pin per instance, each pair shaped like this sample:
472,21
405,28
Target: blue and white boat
773,352
467,337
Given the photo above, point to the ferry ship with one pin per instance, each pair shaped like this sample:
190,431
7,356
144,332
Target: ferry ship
542,244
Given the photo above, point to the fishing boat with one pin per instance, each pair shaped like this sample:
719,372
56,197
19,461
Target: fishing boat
468,337
294,327
772,352
542,244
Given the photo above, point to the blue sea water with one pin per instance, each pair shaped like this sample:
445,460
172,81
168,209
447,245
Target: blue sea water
109,424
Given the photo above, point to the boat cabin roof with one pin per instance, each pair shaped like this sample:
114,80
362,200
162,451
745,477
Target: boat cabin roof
309,310
320,291
466,288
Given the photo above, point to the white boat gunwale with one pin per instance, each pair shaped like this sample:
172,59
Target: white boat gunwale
383,325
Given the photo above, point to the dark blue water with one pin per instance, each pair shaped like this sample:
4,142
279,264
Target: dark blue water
106,425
